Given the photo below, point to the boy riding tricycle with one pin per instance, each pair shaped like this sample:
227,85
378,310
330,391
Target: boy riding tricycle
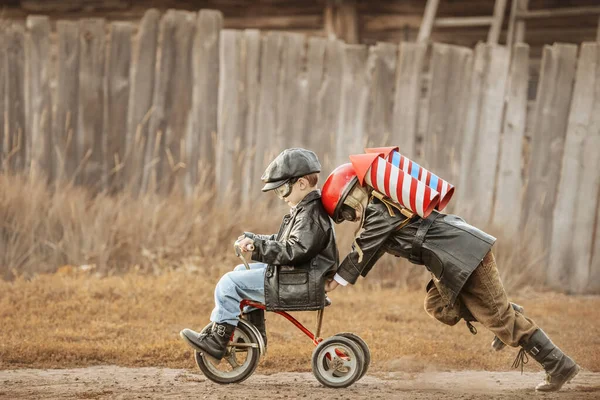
290,273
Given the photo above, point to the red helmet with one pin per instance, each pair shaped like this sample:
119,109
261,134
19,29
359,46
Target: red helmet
335,189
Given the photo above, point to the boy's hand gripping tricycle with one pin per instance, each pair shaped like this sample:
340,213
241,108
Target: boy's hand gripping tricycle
337,361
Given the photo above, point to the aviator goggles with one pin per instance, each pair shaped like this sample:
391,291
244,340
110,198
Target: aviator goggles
285,190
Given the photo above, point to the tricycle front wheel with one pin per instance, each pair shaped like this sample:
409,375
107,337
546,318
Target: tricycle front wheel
240,361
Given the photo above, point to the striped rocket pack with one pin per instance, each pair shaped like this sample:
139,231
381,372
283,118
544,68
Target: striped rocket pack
375,171
445,189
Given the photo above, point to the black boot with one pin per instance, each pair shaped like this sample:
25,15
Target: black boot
213,343
257,318
498,344
559,367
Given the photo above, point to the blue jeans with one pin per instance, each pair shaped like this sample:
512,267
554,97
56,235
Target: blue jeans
235,286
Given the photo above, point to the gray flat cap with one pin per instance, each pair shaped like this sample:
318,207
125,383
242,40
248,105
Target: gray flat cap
291,163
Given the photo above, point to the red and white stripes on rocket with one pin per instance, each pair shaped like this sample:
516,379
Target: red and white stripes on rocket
391,154
402,187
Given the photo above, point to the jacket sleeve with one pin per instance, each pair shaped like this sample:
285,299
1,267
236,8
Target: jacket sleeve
304,242
254,236
378,227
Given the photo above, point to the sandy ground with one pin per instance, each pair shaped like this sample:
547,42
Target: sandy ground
111,382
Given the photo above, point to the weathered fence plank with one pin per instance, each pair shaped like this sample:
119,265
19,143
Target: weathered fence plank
39,107
251,51
315,70
382,61
266,123
202,127
489,128
507,206
232,118
3,133
15,97
407,96
548,135
65,120
179,99
328,105
171,102
292,93
482,132
354,102
143,66
462,198
579,187
447,109
90,135
117,102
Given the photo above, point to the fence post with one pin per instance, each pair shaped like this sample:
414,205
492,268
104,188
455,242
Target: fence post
354,102
117,102
202,126
90,135
548,135
509,186
579,188
407,95
15,88
39,108
382,61
140,99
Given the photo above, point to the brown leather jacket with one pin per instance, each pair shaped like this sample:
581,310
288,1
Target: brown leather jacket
300,257
449,248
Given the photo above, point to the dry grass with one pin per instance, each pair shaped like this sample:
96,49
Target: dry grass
47,227
76,319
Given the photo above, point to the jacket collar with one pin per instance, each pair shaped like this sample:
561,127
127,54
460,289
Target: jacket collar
312,196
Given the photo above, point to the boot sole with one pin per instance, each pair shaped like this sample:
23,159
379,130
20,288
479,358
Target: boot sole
190,343
570,377
198,349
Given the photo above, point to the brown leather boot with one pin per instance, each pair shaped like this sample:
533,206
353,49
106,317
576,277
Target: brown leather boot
560,368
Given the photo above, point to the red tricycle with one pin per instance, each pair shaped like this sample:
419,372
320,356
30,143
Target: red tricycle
337,361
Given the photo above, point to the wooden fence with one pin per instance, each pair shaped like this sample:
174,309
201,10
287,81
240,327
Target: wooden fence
177,103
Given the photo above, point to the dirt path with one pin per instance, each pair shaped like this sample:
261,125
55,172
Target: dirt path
111,382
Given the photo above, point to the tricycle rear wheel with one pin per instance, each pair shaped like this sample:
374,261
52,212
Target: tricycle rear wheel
337,362
363,346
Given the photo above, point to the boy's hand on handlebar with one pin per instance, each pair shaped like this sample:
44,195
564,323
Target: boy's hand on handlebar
331,285
246,244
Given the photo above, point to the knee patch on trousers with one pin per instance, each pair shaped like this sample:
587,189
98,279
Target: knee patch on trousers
437,308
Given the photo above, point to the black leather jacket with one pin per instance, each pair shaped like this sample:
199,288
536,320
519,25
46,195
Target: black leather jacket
300,257
450,248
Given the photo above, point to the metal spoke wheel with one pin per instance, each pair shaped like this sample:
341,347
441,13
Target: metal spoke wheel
363,346
337,362
240,361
